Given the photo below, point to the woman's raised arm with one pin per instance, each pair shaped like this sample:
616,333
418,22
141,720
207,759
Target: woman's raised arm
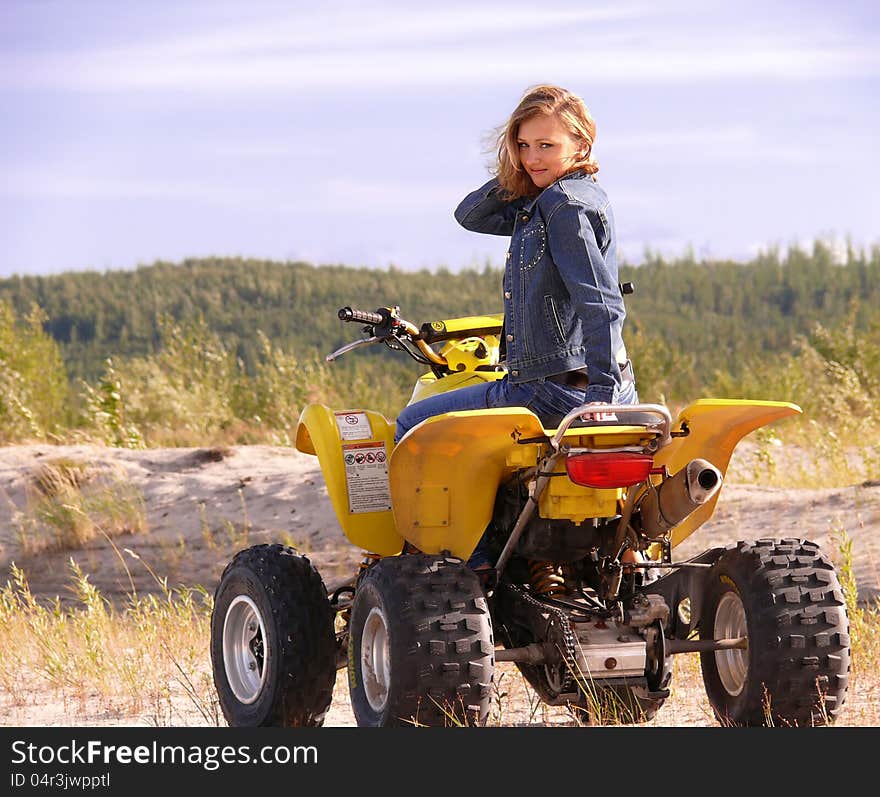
484,210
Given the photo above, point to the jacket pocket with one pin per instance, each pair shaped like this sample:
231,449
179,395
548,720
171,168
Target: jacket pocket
603,232
551,316
532,246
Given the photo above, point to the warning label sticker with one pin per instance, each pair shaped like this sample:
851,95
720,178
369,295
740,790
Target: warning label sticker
366,475
353,425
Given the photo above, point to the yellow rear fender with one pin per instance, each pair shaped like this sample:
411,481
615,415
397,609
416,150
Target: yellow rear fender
445,473
715,426
354,449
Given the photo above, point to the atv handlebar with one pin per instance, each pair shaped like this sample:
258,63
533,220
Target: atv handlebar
387,324
362,316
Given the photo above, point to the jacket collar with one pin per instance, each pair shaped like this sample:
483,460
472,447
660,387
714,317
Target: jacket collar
580,174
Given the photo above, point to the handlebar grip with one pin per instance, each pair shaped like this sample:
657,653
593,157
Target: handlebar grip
361,316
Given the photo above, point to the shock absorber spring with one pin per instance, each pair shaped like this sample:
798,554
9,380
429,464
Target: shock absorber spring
545,578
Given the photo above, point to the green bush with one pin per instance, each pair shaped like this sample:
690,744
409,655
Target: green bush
34,392
833,375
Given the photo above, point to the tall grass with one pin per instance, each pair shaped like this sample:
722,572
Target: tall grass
146,659
196,391
834,376
864,620
70,503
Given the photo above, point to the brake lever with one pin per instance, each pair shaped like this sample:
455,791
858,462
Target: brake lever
351,346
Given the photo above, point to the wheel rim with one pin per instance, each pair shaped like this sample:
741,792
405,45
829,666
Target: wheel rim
376,659
245,649
730,623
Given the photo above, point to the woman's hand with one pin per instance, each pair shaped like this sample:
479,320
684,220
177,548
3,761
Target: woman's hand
598,416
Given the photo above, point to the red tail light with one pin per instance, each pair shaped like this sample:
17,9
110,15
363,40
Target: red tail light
608,470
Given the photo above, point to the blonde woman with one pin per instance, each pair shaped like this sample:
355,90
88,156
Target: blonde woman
563,311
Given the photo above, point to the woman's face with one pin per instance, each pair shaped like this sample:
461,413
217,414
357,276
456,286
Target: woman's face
546,149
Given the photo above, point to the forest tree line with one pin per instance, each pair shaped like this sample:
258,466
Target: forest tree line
230,349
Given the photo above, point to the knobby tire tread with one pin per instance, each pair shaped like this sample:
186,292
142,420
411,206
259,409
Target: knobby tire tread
799,635
444,653
303,628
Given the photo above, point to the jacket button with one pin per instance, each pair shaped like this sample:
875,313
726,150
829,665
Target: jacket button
507,294
510,337
508,255
524,218
514,373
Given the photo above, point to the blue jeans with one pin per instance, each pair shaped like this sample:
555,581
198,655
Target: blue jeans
550,401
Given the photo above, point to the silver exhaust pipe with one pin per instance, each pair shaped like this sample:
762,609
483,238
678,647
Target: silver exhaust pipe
669,504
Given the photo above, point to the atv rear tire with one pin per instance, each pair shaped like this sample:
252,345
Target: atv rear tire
785,597
420,644
273,645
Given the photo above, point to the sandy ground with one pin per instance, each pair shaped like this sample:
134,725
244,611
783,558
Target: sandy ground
203,505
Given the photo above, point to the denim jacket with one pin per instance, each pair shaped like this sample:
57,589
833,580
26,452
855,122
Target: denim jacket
562,304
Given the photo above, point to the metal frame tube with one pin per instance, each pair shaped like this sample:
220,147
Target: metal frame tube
705,645
665,418
536,653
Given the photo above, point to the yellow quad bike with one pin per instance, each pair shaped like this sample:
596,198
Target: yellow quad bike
586,596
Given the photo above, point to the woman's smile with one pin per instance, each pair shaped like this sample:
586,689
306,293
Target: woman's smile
547,150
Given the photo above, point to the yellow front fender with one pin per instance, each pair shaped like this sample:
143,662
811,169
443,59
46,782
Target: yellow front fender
355,468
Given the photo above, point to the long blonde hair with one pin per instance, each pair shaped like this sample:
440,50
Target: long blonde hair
545,100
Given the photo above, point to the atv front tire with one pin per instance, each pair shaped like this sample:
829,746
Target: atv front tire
420,644
784,596
273,645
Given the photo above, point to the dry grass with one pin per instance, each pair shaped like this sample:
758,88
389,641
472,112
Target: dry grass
147,663
70,503
815,460
146,660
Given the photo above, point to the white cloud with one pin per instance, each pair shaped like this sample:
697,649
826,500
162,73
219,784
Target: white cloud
462,46
359,25
402,68
40,183
301,49
659,140
325,193
409,195
265,148
717,144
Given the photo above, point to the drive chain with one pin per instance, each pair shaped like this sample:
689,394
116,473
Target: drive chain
569,645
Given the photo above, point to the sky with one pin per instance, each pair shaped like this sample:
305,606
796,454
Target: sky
347,132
